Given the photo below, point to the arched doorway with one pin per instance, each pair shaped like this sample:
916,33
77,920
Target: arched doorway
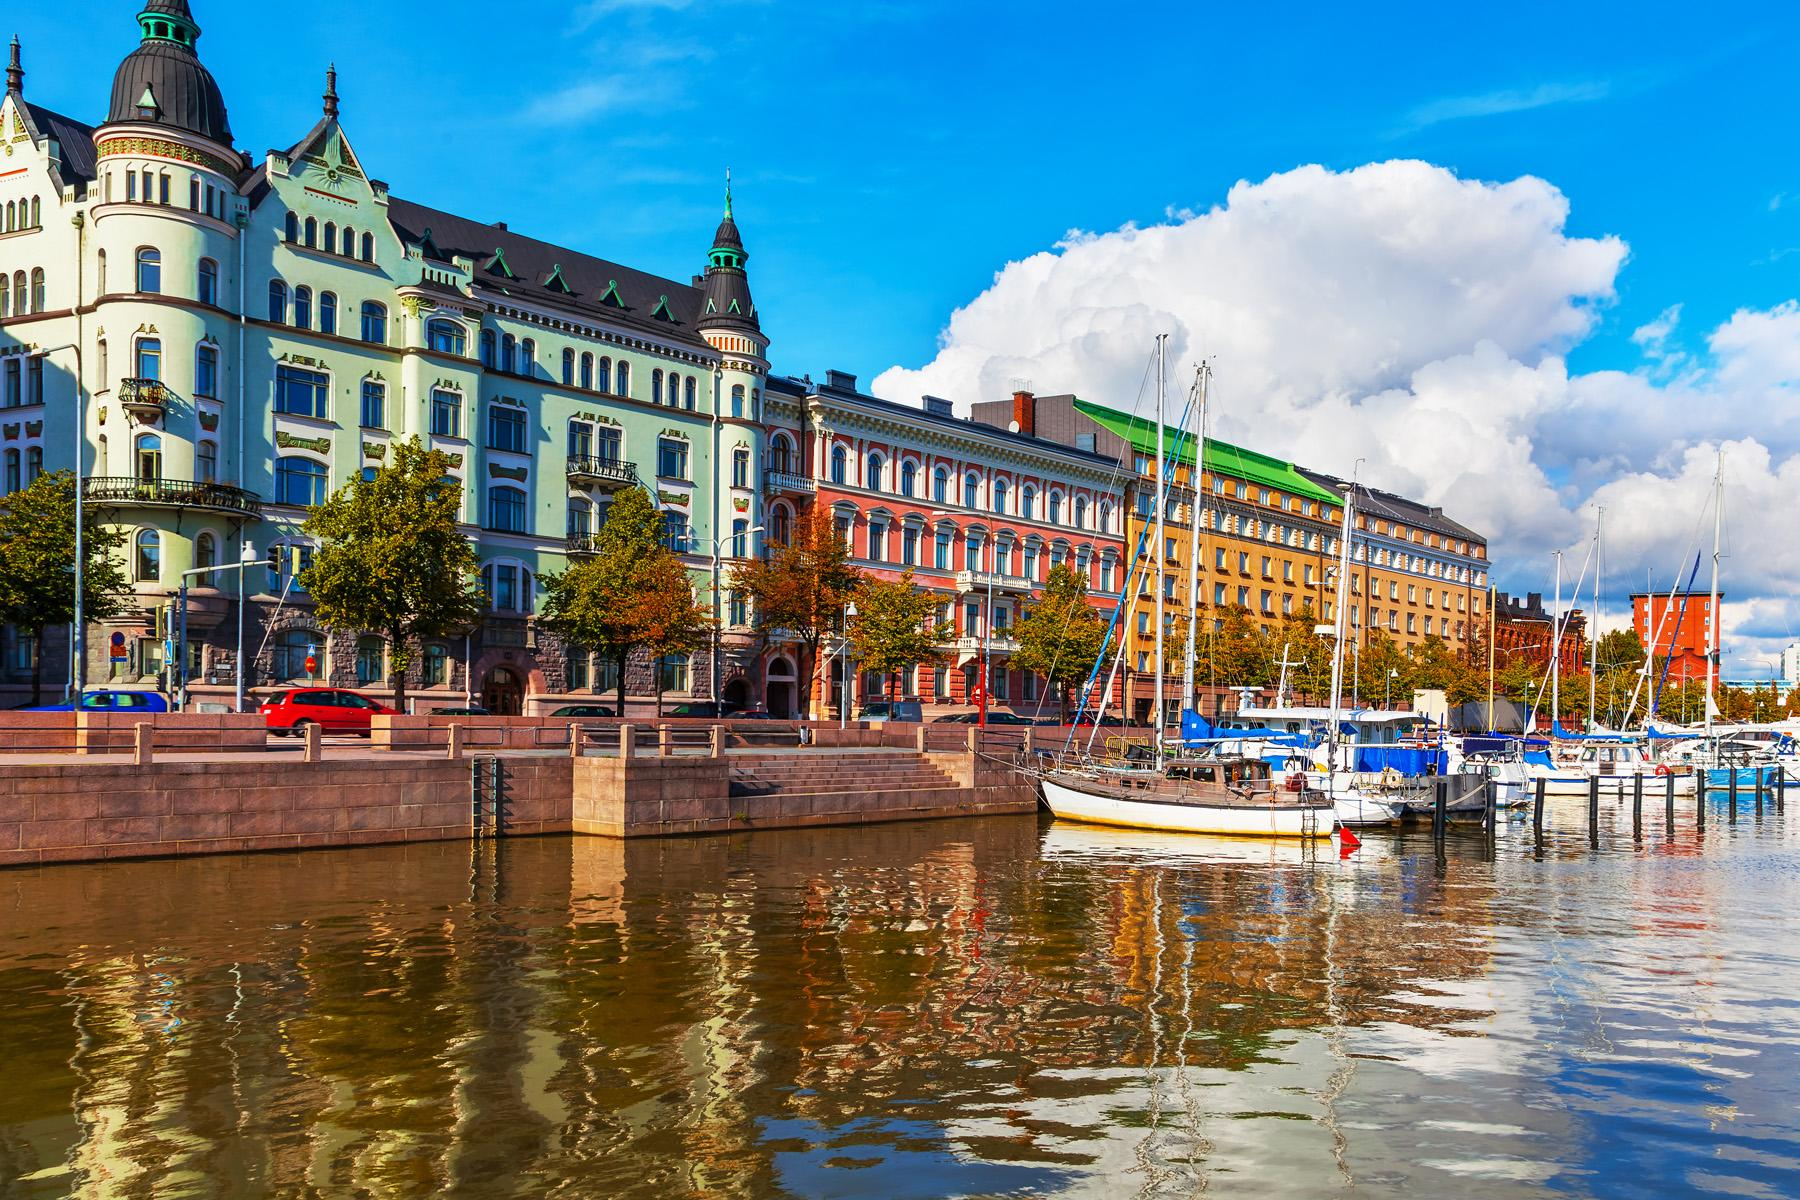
736,693
501,692
780,689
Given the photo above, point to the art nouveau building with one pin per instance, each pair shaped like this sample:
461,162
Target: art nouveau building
229,337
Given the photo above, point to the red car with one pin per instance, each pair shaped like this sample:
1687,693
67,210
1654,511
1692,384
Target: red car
333,710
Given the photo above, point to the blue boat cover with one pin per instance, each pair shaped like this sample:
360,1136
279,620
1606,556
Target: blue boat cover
1408,760
1540,758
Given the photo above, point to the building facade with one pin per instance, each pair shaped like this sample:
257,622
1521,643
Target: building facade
1523,631
978,514
1677,627
230,337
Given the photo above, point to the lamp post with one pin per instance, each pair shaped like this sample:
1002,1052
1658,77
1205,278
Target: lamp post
1387,698
844,662
718,543
246,558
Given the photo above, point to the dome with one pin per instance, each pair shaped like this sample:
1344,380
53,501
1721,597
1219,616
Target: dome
163,82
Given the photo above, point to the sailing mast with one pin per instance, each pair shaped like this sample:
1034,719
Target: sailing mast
1712,603
1156,547
1338,635
1594,621
1195,478
1556,646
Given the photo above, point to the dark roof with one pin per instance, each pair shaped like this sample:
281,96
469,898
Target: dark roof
1397,507
536,271
75,140
187,97
175,8
725,292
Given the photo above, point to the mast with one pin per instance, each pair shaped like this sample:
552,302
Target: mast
1156,548
1195,478
1556,647
1712,602
1490,642
1594,621
1338,634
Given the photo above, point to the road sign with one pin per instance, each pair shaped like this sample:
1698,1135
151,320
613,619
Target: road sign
116,649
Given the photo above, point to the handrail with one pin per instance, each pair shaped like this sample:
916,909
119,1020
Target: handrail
608,470
187,493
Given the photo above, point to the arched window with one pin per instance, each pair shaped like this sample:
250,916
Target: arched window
656,387
624,382
527,357
587,372
100,272
688,394
303,307
206,369
368,247
9,217
1081,512
327,312
278,302
490,356
293,647
840,465
371,657
13,482
781,526
740,467
311,234
940,486
206,290
374,322
737,399
1105,525
291,227
21,298
506,509
329,245
37,213
872,472
780,454
149,269
509,354
299,480
206,460
971,490
909,477
5,297
37,289
148,564
1028,502
568,368
1000,495
740,538
206,550
349,242
446,337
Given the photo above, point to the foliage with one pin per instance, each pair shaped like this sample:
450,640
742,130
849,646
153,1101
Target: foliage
1435,665
391,558
37,563
893,629
1061,636
668,617
802,587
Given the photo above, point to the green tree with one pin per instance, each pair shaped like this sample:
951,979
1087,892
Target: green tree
669,617
1062,636
596,602
1435,665
893,629
37,564
1383,672
803,587
391,559
1620,650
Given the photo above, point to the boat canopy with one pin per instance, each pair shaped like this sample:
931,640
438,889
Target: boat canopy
1196,728
1563,735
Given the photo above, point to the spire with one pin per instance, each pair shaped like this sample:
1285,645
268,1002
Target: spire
727,169
15,77
331,96
725,286
169,21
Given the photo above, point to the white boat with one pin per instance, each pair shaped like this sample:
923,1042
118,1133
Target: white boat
1155,800
1610,762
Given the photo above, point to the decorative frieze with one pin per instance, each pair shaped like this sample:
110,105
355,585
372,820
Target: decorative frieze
163,148
291,441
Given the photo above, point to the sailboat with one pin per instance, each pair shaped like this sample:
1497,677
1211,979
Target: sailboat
1180,794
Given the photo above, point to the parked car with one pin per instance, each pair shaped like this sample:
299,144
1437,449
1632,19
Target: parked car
891,710
333,710
462,710
704,708
583,710
750,714
112,700
993,718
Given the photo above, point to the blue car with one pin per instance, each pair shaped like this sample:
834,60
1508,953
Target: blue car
109,700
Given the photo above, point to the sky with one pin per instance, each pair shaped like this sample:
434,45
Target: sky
1519,262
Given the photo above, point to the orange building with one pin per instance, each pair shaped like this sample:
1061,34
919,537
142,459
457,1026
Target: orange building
1677,627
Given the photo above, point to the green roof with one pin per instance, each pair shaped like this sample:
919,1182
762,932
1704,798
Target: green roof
1222,458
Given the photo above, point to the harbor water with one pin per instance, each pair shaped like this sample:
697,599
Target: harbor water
993,1007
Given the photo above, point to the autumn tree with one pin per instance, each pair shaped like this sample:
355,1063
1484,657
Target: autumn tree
803,587
669,618
1061,636
1436,666
37,564
1383,672
391,558
893,629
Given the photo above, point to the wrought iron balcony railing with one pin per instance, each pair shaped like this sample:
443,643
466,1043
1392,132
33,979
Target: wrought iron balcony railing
605,472
169,493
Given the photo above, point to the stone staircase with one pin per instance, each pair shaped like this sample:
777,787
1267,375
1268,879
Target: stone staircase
825,772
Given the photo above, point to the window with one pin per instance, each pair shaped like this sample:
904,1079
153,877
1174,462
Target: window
278,297
740,537
672,672
374,323
610,444
740,467
206,550
149,557
940,486
1081,512
656,387
675,535
446,413
840,465
293,647
328,312
206,290
737,399
436,665
1027,501
290,227
302,312
368,247
509,352
1055,512
34,462
370,655
301,392
909,477
972,552
329,244
446,337
299,480
374,401
688,394
206,370
941,553
909,547
671,458
506,428
149,269
739,609
624,388
508,587
506,509
588,377
1000,490
13,483
877,540
206,457
971,490
581,439
149,358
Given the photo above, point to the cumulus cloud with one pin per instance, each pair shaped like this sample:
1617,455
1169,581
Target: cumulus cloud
1399,314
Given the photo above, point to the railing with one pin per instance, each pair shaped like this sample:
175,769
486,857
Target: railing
144,397
583,543
972,580
788,481
175,493
997,641
612,471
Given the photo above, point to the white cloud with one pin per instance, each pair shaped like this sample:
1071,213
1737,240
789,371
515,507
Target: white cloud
1498,103
1398,314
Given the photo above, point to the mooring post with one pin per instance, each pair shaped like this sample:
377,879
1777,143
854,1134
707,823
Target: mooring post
1731,794
315,747
1700,799
1537,810
1637,806
1490,806
1440,789
1780,787
456,743
1593,804
1759,789
1669,802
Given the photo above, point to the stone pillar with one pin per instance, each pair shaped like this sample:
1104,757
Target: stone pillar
315,744
143,744
456,741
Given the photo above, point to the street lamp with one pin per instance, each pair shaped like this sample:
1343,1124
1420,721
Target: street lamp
1387,697
246,558
844,664
718,543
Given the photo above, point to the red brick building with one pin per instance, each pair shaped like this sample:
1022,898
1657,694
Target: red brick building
1522,630
1677,627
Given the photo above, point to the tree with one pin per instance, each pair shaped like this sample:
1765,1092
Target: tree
803,587
1435,665
667,616
893,628
1382,671
1061,637
595,603
391,558
37,564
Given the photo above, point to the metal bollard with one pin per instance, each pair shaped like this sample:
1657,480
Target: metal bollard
1440,817
1731,792
1490,807
1637,805
1593,803
1669,803
315,744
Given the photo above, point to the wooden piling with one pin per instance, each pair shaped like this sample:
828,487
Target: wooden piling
1731,795
1440,789
1637,805
1759,790
1669,803
1537,811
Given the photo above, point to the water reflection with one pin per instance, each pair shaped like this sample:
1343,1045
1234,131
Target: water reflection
986,1008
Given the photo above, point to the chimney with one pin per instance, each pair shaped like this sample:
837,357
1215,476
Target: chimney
840,381
1025,412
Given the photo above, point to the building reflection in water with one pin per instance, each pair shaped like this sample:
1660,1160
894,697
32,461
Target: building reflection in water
967,1007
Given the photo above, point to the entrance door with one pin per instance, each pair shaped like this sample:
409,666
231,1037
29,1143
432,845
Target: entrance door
501,693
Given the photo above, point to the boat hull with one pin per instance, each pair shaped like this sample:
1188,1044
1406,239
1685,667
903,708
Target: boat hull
1098,807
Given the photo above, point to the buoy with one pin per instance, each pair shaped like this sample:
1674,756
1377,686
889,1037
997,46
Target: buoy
1348,840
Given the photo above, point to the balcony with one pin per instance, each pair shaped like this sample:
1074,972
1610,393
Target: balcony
999,643
116,492
145,399
779,479
610,474
979,581
582,545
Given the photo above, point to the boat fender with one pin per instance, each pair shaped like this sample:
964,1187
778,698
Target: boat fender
1296,782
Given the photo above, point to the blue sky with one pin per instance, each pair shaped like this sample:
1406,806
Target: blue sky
891,156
